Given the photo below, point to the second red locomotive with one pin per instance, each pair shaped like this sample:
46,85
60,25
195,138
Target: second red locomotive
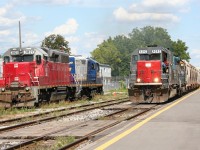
157,75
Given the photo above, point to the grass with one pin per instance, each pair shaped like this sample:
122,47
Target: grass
123,90
14,111
61,141
121,93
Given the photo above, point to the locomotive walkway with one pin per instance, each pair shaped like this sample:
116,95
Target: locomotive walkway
174,127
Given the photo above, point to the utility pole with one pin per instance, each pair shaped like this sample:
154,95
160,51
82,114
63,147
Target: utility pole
20,42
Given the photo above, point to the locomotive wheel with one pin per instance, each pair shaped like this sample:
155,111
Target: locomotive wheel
180,92
149,98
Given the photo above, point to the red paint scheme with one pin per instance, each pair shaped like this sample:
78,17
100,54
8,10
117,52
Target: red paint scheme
2,82
31,74
147,71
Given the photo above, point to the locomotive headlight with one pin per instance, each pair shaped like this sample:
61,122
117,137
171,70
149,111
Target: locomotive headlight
138,80
148,65
3,89
156,79
16,78
27,88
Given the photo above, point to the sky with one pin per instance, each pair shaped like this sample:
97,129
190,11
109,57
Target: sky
86,23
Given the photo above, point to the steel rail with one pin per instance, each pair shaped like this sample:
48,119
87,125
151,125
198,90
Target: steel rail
53,111
88,136
31,141
54,117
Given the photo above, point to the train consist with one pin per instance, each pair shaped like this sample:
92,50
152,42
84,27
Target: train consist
34,75
157,75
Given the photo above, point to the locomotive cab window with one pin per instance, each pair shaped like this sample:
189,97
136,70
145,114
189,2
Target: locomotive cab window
6,59
45,58
154,57
28,58
150,57
97,67
25,58
93,66
134,59
38,59
144,57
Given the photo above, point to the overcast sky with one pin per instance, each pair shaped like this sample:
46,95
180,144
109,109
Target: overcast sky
86,23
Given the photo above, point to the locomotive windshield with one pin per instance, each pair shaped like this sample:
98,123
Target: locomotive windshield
150,57
25,58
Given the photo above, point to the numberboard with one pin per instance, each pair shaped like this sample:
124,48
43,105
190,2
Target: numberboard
154,51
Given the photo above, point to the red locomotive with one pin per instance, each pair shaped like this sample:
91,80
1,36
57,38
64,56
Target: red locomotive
34,75
157,75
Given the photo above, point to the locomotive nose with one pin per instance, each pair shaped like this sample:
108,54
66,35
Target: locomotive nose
149,71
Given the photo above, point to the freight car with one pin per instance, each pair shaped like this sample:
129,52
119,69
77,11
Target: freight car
34,75
157,75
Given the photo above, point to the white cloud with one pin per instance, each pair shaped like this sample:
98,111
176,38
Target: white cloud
172,3
7,22
152,10
30,39
9,17
70,27
79,3
4,10
195,56
60,2
86,43
4,32
195,53
122,15
72,39
54,2
74,50
92,39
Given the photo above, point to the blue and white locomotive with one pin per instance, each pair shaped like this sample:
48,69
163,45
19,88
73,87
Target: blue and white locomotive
85,75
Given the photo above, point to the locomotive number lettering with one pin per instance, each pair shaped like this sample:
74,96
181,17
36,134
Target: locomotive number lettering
156,51
14,53
142,51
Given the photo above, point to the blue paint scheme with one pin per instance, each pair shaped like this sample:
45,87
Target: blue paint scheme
72,64
93,69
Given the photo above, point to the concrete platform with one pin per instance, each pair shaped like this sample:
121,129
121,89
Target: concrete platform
174,127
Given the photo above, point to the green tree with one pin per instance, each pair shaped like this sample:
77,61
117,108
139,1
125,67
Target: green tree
150,36
123,45
107,53
54,41
180,49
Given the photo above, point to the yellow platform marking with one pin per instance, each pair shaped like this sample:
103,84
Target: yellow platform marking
125,133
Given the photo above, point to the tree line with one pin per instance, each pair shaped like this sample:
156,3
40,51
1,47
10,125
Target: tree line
116,51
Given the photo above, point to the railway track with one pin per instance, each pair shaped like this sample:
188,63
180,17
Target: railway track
64,112
92,134
49,112
107,121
